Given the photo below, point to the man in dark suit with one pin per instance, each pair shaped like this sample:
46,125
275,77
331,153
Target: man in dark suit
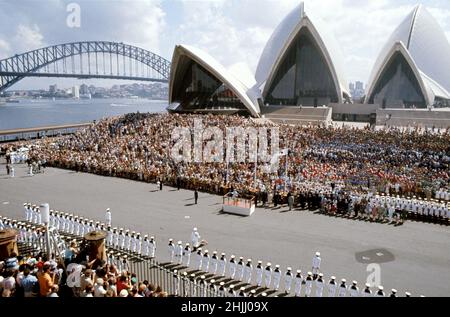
196,196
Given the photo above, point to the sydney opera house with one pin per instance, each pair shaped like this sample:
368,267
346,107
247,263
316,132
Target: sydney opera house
302,66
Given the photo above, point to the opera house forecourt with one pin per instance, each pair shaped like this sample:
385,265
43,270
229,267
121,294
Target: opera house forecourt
301,67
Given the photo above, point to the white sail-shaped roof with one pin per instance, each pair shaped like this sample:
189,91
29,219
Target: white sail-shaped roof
282,38
202,58
428,47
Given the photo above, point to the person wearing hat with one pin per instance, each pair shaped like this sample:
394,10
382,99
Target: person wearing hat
342,288
259,274
127,242
213,263
171,249
138,243
367,292
248,270
205,261
252,293
221,291
232,267
25,209
187,255
212,288
393,293
195,239
354,290
203,286
108,217
115,238
242,292
319,285
308,284
276,277
152,247
316,265
268,275
133,242
109,237
121,238
407,294
145,246
198,259
240,269
179,253
288,280
380,292
222,265
298,283
231,292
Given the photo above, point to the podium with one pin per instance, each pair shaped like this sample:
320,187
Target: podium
8,243
238,206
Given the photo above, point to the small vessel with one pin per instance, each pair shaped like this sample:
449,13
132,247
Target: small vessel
10,100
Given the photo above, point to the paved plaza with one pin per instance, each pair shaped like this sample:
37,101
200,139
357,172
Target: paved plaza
415,256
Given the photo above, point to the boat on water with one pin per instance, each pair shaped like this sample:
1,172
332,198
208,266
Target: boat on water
9,100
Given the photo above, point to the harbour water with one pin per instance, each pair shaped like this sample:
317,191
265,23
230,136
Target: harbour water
47,112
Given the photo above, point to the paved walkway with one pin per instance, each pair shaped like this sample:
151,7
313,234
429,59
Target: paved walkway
416,255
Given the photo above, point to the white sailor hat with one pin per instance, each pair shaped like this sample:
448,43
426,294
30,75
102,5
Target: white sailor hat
199,250
241,258
223,254
321,274
264,294
231,286
133,232
309,273
317,253
138,234
269,264
367,285
92,221
259,262
195,229
25,204
127,230
170,240
343,280
277,266
34,206
408,294
107,209
202,277
299,271
187,244
221,283
66,213
355,282
179,242
146,236
289,269
232,256
380,288
152,237
253,291
394,291
206,251
249,260
242,289
212,281
185,273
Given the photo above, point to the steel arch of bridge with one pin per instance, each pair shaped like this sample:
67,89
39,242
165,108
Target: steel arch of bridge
17,67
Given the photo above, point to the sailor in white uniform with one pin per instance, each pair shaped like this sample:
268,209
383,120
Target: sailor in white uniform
342,288
380,292
288,280
268,275
132,247
308,284
127,240
248,270
354,290
213,263
259,274
240,269
199,259
205,261
276,277
222,265
109,237
367,292
152,247
232,267
115,242
121,239
171,249
179,252
187,255
25,208
319,285
146,246
138,243
332,287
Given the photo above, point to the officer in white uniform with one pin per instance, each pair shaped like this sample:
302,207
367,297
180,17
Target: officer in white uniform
240,269
199,259
25,207
205,261
316,265
146,246
115,238
380,292
259,274
354,290
187,255
367,292
242,292
195,239
108,217
222,265
232,267
109,237
133,242
393,293
127,240
213,263
221,291
268,275
342,288
288,280
319,285
231,292
298,283
308,284
276,277
39,216
171,249
179,252
152,247
248,270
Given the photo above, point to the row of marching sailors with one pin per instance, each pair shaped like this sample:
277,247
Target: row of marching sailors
29,234
413,208
118,238
191,286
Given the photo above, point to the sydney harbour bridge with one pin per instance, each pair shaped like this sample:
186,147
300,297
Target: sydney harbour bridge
84,60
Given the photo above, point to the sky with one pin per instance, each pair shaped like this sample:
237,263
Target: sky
233,31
